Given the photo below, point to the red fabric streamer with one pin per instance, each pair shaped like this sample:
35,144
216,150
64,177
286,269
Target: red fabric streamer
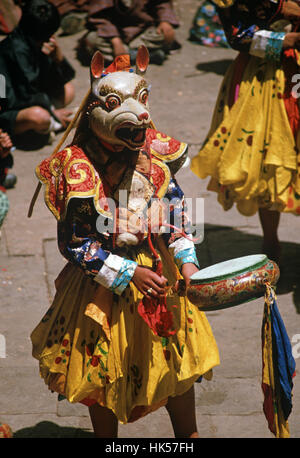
154,310
290,67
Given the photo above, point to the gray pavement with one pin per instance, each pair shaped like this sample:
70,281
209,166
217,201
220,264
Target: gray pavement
183,94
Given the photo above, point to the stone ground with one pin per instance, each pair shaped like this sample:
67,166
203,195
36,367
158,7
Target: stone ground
183,94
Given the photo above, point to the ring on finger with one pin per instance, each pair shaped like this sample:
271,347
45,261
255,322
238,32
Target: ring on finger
150,291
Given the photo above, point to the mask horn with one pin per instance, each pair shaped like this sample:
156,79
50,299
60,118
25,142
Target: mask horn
97,66
142,60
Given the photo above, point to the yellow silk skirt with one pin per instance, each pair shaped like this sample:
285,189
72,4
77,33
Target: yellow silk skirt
251,153
93,346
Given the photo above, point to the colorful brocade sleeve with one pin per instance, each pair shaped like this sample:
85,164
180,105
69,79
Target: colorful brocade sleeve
181,248
80,243
247,28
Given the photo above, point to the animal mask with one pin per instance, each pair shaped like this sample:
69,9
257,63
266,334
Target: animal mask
119,113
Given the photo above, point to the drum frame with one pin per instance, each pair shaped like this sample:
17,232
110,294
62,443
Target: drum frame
230,290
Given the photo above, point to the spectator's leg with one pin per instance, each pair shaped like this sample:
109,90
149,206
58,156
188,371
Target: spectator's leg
33,118
69,93
91,42
63,96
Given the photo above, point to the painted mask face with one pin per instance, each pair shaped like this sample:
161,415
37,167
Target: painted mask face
119,114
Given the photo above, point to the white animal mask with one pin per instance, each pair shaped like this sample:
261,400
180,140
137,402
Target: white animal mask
119,113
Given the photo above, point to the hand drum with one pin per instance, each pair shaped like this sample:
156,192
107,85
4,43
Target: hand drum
232,282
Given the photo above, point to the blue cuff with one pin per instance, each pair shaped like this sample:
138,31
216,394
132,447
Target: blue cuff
185,256
124,276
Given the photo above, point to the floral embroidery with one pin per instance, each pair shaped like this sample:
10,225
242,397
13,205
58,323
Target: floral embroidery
97,359
222,137
190,321
137,378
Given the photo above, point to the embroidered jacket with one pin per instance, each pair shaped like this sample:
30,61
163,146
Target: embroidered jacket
249,24
83,198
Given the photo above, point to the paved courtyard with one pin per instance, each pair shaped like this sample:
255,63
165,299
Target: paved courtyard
182,100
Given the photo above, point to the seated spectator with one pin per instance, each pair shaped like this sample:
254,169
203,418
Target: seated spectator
73,14
6,162
37,75
121,26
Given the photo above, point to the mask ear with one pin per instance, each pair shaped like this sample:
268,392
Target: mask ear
97,66
142,60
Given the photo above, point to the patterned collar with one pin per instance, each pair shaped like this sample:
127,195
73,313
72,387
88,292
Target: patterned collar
70,173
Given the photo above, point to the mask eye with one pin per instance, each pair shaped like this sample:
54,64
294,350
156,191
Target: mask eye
112,102
143,97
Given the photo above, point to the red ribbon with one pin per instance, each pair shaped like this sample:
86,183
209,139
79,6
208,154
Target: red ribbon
154,310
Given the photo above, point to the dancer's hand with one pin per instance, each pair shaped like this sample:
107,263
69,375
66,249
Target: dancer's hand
291,11
187,271
145,280
291,40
